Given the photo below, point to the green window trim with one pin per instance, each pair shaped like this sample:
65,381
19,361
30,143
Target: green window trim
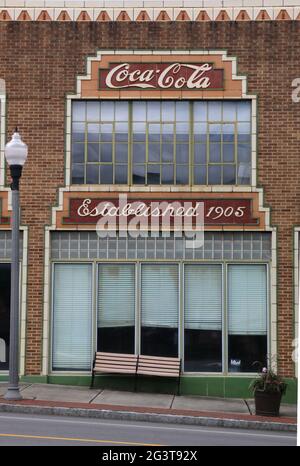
174,143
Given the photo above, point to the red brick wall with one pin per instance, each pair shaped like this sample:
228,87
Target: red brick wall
39,62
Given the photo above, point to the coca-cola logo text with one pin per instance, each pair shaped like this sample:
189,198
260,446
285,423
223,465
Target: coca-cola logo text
161,76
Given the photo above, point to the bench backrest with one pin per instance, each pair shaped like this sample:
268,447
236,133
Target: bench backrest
156,365
115,362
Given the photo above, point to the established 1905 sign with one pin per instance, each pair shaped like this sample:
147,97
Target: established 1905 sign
192,76
216,211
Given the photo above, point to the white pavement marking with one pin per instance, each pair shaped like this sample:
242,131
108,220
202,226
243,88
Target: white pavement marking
153,426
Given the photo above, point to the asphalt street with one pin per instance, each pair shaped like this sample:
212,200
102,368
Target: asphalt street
35,430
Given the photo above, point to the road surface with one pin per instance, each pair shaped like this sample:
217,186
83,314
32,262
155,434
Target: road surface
23,429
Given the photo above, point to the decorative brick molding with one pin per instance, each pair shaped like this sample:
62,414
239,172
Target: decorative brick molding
146,11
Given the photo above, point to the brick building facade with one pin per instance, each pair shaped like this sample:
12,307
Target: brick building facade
41,62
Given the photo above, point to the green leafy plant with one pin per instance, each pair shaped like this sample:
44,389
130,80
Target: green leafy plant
268,382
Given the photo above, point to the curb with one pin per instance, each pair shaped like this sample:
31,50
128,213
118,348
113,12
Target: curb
149,417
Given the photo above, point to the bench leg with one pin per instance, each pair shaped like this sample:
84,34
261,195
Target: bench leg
135,382
92,382
178,388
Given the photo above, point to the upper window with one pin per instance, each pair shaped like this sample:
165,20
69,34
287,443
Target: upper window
161,142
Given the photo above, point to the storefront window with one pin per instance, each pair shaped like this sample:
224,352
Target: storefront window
216,308
116,308
159,310
72,317
247,317
161,142
203,318
4,315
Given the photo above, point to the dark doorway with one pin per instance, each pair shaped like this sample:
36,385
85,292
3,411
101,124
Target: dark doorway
4,315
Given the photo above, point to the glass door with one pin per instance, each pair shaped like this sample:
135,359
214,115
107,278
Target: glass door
4,315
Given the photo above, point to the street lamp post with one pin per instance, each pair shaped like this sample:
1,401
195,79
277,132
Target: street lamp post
16,155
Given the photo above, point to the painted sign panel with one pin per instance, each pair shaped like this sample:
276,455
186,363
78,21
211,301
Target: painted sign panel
191,76
216,211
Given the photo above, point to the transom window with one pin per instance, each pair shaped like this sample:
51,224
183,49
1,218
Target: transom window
161,142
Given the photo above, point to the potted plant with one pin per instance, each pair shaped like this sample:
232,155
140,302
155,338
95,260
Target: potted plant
268,389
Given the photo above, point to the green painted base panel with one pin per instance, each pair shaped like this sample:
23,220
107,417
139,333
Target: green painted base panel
224,387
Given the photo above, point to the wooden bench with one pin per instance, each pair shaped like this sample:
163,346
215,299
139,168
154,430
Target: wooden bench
114,363
159,367
136,365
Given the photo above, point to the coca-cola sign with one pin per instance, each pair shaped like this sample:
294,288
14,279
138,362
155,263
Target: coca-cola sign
164,76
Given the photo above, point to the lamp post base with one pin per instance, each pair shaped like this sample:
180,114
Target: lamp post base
13,393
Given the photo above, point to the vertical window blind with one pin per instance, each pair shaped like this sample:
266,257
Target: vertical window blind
203,297
116,295
72,317
160,290
247,299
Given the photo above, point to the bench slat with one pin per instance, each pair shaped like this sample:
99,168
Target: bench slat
118,371
158,364
158,358
162,374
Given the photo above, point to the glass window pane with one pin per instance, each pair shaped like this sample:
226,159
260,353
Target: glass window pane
200,111
121,111
121,132
121,174
93,152
203,318
153,174
107,111
153,111
78,153
244,153
72,317
182,153
167,132
228,133
168,111
167,152
92,174
121,152
78,174
215,152
106,133
228,152
214,111
159,310
244,173
106,174
200,153
200,174
247,311
182,174
139,153
116,316
138,174
243,111
78,111
139,132
154,152
229,111
200,132
214,174
182,132
139,111
93,111
167,176
182,111
154,133
229,174
93,132
78,132
106,152
215,132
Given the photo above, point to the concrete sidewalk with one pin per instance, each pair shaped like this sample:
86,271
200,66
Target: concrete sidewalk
82,401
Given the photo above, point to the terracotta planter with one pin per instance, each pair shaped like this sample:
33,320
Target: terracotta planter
267,404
